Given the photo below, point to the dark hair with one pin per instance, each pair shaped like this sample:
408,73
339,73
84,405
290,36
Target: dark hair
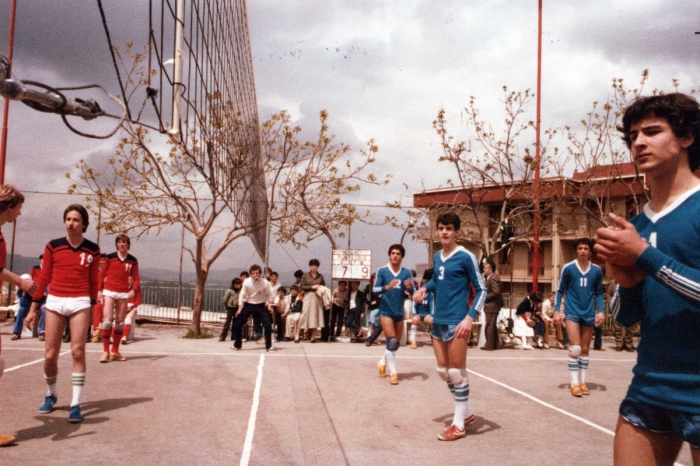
299,273
245,272
282,289
428,273
122,237
587,241
449,218
294,287
82,211
314,262
398,247
255,267
236,281
535,297
9,197
491,264
41,256
275,274
681,111
342,282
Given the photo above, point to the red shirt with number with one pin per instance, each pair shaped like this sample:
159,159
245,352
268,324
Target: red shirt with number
115,273
69,272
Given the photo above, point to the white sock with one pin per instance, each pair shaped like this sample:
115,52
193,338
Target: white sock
462,410
573,370
383,360
582,368
51,385
78,383
390,361
412,335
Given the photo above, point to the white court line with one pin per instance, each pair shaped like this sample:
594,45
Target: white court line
33,362
544,403
248,445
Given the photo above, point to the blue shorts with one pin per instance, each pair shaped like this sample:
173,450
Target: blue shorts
662,420
443,332
585,322
394,318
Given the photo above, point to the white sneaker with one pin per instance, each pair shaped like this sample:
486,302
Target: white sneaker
527,347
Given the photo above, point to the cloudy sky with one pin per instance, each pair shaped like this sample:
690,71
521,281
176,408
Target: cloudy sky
383,70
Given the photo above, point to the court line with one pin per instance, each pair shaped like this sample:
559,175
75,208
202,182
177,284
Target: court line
248,444
547,405
33,362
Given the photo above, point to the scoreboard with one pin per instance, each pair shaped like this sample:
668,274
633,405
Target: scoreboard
351,264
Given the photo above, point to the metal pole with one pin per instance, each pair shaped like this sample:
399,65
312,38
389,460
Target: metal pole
536,223
179,280
6,113
178,87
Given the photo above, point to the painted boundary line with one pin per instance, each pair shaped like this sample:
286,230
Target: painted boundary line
248,444
33,362
547,405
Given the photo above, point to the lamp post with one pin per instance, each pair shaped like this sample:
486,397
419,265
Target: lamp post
410,226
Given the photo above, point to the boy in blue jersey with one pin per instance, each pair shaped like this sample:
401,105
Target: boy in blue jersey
455,269
655,259
392,282
582,281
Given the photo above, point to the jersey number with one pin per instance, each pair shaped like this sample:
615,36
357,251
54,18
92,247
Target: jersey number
442,273
127,267
583,281
85,258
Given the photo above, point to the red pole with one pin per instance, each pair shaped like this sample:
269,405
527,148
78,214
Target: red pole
536,223
6,113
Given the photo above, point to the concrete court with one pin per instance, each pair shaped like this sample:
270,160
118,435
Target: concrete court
181,401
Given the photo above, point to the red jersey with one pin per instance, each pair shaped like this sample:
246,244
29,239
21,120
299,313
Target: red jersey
68,272
115,273
3,252
34,272
136,300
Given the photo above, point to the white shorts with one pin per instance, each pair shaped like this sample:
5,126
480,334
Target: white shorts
115,295
67,306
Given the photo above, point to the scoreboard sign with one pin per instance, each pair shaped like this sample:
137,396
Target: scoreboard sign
351,264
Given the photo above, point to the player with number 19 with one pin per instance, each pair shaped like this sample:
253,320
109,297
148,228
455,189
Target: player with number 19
455,270
582,281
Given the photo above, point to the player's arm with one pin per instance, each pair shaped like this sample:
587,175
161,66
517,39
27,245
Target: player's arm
136,284
477,281
102,276
563,286
600,302
627,305
25,285
379,285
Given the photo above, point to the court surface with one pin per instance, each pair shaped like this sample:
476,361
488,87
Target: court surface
179,401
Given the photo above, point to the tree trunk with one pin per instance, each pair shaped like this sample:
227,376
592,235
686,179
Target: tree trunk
202,275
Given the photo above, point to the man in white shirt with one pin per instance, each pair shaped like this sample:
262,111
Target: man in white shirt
255,293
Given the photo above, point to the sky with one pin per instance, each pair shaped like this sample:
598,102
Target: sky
382,69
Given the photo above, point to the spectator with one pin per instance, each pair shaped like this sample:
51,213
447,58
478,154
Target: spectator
280,307
374,329
230,300
312,311
524,322
623,335
338,308
25,302
295,313
356,309
492,306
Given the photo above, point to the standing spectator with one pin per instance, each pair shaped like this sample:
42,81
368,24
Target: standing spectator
492,306
623,335
34,273
230,300
338,308
280,307
255,292
25,301
292,317
374,329
356,310
312,312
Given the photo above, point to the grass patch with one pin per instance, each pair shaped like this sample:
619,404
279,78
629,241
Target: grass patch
192,335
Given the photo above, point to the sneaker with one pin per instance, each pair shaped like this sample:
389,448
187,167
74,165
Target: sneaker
47,406
125,341
414,345
235,348
95,338
469,421
116,357
576,390
382,369
271,349
42,337
527,347
394,379
452,433
6,440
16,336
584,390
75,415
104,357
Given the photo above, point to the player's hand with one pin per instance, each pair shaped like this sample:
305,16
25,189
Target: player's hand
415,320
419,295
626,277
393,284
619,244
131,294
599,319
99,297
28,286
556,318
408,284
464,329
31,316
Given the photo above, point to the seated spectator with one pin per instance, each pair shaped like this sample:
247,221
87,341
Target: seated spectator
524,322
296,314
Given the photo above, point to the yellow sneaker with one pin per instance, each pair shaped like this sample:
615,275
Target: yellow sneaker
6,440
414,345
394,380
116,357
584,390
576,390
95,338
104,357
382,369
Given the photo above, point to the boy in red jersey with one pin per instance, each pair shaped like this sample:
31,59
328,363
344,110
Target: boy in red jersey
11,201
114,288
70,271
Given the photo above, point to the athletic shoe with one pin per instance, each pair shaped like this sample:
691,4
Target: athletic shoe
271,349
95,338
104,357
452,433
576,390
116,357
6,440
42,337
75,416
125,341
382,369
414,345
16,336
469,421
527,347
47,406
234,348
584,390
394,379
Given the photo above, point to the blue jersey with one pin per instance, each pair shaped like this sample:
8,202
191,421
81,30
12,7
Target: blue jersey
392,300
667,303
450,282
425,307
583,290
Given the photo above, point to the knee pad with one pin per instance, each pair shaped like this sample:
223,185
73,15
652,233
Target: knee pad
575,351
457,376
106,325
119,327
392,344
127,321
442,372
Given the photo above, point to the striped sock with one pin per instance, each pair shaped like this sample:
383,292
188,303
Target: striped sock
78,383
412,335
462,410
51,384
451,386
117,335
390,361
106,334
573,370
583,368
